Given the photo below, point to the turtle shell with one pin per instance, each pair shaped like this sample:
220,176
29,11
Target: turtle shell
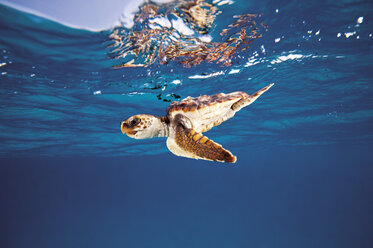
205,111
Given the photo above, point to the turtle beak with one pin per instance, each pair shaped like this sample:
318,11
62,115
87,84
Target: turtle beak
124,127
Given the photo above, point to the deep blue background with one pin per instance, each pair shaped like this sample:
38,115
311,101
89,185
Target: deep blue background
286,197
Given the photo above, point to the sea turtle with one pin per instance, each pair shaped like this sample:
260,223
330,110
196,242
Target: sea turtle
187,120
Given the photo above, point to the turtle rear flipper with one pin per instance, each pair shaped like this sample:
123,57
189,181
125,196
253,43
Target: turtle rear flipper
245,101
191,144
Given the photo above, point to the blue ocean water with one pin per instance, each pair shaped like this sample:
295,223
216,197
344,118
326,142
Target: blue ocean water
304,175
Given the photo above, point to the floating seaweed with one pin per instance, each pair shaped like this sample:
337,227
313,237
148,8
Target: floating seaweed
179,31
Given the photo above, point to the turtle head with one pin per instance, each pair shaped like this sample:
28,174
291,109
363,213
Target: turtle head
141,126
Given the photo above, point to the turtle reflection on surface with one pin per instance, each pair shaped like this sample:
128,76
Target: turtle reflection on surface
179,31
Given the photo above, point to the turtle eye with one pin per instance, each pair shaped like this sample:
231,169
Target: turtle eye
135,121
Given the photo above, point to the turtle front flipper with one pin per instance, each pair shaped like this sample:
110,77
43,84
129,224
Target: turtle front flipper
191,144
